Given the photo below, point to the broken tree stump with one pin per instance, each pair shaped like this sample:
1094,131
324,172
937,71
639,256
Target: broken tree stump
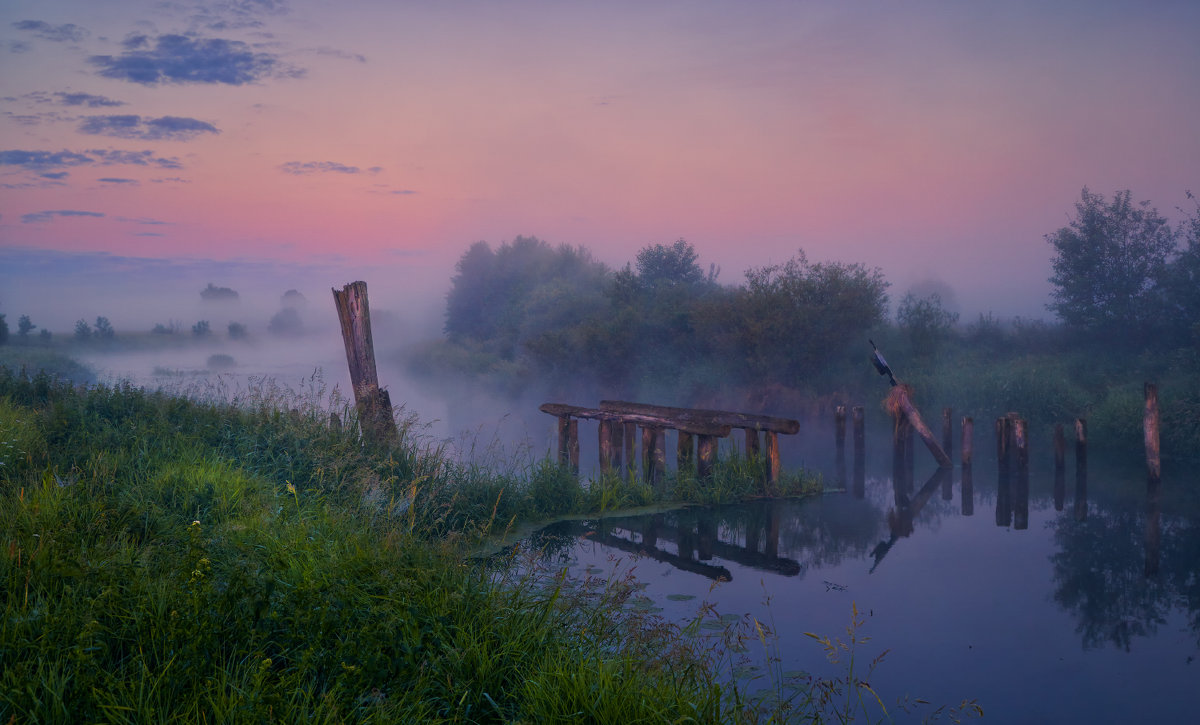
373,403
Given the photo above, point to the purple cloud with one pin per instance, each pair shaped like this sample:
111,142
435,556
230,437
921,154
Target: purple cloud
185,59
174,128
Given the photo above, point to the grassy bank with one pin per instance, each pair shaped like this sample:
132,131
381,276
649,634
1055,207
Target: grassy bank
168,560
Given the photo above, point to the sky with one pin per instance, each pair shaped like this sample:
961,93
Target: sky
148,147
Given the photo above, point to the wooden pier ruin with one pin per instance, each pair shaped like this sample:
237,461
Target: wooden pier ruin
698,434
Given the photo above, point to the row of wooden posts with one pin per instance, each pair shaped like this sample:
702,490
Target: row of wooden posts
698,434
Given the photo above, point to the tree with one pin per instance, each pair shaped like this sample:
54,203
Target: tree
201,329
104,329
212,293
286,322
237,331
1110,264
673,265
3,330
1183,279
83,331
926,321
24,326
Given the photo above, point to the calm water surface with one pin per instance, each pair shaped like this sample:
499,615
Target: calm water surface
1042,615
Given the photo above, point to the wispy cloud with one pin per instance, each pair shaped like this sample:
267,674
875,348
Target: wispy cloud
43,160
186,59
335,53
87,99
115,180
108,157
66,33
173,128
45,216
324,167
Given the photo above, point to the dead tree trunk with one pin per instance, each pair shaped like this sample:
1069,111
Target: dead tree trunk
374,404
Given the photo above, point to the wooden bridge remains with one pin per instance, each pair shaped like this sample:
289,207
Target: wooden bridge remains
698,434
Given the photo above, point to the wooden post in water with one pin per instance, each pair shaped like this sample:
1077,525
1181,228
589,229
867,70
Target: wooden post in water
573,445
773,465
1150,427
1081,505
564,440
839,441
649,473
616,445
1021,504
605,442
1003,474
1060,467
968,440
685,455
860,453
373,403
660,455
899,398
752,447
968,475
706,456
630,449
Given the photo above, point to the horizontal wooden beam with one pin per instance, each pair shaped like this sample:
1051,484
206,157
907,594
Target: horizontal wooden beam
696,416
698,427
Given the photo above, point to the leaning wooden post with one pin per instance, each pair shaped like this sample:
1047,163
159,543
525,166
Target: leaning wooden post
899,399
374,404
1060,467
1080,469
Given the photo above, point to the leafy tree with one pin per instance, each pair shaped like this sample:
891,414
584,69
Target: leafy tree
659,264
212,293
1110,264
44,335
1183,279
201,329
24,326
293,298
237,331
3,330
286,322
925,321
104,329
161,329
83,331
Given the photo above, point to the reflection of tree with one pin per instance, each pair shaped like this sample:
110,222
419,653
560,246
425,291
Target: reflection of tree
1101,574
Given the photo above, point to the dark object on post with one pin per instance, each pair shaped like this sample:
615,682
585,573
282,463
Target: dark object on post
373,403
881,364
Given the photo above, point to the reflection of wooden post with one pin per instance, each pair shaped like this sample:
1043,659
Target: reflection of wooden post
605,446
630,449
1021,504
1150,429
1080,469
947,431
573,445
685,452
910,460
374,404
706,456
772,548
968,440
772,456
1060,467
860,453
1003,477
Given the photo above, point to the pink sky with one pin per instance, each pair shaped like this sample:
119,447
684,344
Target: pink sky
931,139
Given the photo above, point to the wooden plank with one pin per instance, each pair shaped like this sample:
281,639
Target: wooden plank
697,416
696,428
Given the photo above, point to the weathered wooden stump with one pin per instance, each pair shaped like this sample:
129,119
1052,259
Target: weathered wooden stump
373,403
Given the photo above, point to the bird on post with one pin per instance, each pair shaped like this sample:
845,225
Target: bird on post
881,364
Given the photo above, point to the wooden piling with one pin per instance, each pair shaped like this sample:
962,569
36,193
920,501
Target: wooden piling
899,398
605,442
685,452
630,448
649,473
839,430
752,448
1150,425
564,440
660,455
860,453
773,464
1021,494
373,403
573,445
968,440
1003,474
706,456
1060,467
617,445
1081,505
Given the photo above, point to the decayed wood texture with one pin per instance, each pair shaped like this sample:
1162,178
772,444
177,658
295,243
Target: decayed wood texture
696,428
1150,422
900,396
374,404
687,418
